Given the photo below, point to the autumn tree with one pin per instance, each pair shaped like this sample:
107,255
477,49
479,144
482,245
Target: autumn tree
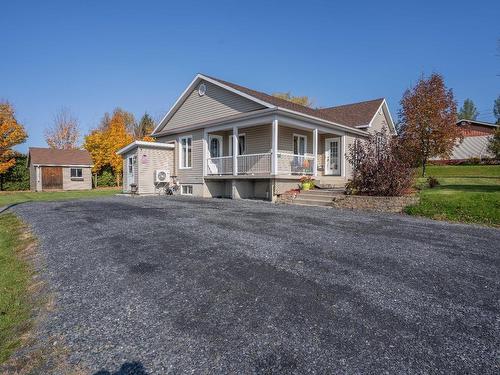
103,143
128,119
144,127
496,110
428,117
302,100
468,111
11,133
64,133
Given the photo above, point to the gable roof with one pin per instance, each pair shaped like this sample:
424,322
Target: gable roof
351,115
49,156
474,122
355,114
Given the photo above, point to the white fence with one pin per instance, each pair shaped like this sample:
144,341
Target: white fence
295,164
220,166
253,164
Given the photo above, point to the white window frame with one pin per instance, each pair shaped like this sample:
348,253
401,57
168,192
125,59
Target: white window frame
231,144
305,142
76,177
221,143
188,187
186,137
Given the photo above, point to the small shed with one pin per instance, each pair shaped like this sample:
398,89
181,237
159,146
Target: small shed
142,162
52,169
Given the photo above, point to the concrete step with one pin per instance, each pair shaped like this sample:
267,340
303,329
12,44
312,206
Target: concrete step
319,185
319,197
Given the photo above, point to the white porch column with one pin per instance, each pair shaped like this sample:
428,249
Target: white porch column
274,149
315,152
205,151
342,160
235,151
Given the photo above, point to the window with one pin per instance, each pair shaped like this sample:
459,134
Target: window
242,145
299,144
76,173
187,189
186,153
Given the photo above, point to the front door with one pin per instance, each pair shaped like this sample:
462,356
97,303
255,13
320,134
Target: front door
52,178
332,156
215,142
130,170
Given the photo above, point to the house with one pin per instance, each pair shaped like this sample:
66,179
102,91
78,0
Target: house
476,136
52,169
226,140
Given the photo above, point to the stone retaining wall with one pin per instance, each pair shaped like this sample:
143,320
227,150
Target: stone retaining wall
372,203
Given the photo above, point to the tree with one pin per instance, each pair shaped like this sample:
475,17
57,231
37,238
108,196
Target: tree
428,116
379,166
17,177
496,109
104,143
128,118
302,100
64,133
494,143
144,128
468,111
11,133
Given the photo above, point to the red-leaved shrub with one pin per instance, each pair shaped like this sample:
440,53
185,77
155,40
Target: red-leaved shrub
380,166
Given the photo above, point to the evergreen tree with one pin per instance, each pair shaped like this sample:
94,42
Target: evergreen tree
468,111
496,109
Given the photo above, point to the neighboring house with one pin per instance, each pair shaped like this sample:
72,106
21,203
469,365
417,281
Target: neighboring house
227,140
52,169
476,136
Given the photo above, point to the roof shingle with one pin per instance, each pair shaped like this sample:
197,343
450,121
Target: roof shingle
355,114
39,155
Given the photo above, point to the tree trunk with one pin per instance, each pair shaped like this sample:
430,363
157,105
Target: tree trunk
1,182
424,162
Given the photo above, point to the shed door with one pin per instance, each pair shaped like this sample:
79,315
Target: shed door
52,178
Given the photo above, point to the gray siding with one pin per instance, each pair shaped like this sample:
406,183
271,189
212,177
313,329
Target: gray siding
149,160
216,103
75,184
193,175
471,147
32,177
379,123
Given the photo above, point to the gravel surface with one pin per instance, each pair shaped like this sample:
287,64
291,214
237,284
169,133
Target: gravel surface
183,285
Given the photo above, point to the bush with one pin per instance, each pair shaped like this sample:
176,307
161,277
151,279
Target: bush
380,166
17,177
106,178
432,182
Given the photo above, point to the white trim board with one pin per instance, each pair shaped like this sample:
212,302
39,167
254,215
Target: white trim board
135,144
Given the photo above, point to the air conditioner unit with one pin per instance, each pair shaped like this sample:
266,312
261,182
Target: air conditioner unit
162,175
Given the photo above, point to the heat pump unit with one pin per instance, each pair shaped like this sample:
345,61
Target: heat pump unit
162,175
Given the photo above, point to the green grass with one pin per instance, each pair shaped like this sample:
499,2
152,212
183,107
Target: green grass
467,193
7,198
15,276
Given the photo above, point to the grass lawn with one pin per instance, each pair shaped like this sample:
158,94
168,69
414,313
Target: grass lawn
15,276
467,193
7,198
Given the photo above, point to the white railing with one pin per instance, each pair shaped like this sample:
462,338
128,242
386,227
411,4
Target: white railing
253,164
292,164
220,165
260,164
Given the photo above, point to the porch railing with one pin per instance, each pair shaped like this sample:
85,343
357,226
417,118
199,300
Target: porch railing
260,164
292,164
220,166
253,164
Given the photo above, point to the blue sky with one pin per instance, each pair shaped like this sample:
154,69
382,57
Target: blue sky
93,56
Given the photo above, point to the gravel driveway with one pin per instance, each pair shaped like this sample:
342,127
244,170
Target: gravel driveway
177,285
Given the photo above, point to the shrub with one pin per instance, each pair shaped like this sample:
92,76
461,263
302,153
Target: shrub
106,178
380,166
432,182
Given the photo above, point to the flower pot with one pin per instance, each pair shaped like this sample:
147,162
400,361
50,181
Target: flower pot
306,186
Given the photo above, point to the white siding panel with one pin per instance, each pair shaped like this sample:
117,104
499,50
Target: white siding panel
149,160
472,147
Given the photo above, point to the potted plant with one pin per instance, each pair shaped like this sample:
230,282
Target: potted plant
306,183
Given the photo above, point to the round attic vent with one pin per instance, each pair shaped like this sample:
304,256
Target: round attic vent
202,89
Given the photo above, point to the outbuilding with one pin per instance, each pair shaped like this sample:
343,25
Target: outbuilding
147,166
52,169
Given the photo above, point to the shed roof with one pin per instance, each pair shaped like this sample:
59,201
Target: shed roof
49,156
